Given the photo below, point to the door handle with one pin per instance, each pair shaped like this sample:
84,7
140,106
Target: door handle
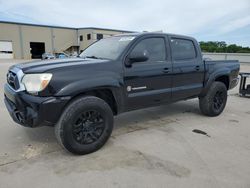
166,70
197,67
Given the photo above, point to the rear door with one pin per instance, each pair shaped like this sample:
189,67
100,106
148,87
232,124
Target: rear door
148,83
188,68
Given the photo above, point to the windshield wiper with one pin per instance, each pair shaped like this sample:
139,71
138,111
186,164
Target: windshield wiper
92,57
95,57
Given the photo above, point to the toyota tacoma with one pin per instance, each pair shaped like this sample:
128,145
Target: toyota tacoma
80,96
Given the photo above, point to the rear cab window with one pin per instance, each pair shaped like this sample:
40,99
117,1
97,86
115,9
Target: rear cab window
183,49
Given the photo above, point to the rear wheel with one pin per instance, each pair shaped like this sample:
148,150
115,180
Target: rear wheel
85,125
214,102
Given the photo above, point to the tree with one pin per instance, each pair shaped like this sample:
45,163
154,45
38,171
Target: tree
221,46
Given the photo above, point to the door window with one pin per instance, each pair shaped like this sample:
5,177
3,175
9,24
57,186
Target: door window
154,47
183,49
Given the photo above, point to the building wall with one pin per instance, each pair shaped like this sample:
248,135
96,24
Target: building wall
22,35
35,34
84,32
64,38
85,42
10,32
56,39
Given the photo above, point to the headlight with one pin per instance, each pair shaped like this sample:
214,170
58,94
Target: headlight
36,82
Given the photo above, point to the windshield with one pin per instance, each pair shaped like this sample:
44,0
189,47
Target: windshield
109,48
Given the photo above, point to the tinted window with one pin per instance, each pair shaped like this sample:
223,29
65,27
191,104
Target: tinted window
154,47
99,36
183,49
88,36
81,38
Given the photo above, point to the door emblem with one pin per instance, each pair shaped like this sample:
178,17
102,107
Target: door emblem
129,88
139,88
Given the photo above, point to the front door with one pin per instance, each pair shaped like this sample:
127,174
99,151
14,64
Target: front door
149,83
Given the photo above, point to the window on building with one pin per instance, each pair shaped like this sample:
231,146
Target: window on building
99,36
183,49
88,36
81,38
155,47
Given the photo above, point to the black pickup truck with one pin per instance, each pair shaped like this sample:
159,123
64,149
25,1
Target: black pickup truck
81,95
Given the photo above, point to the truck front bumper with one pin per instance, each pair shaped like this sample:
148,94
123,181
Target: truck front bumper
33,111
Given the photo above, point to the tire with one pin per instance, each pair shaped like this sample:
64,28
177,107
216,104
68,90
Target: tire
85,125
214,102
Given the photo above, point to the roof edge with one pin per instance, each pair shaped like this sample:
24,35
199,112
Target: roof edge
38,25
106,29
63,27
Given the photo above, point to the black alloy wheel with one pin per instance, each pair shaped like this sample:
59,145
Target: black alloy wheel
218,100
214,102
88,127
85,125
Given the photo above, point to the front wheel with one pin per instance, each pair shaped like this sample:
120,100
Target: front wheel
214,102
85,125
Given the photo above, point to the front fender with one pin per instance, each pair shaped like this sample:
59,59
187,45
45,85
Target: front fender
80,86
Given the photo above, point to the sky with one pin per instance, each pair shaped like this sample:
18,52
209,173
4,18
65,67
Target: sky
206,20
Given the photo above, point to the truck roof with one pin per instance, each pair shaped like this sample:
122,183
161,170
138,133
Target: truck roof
154,33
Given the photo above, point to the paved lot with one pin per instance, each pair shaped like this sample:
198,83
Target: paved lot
154,147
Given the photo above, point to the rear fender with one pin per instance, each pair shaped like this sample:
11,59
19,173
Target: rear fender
212,77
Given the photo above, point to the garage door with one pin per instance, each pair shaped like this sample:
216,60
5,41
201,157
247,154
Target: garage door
6,50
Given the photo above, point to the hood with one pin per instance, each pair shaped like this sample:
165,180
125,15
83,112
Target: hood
45,65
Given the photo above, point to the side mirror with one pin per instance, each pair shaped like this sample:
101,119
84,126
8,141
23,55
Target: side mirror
135,57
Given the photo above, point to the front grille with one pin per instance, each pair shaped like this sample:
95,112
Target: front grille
12,80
